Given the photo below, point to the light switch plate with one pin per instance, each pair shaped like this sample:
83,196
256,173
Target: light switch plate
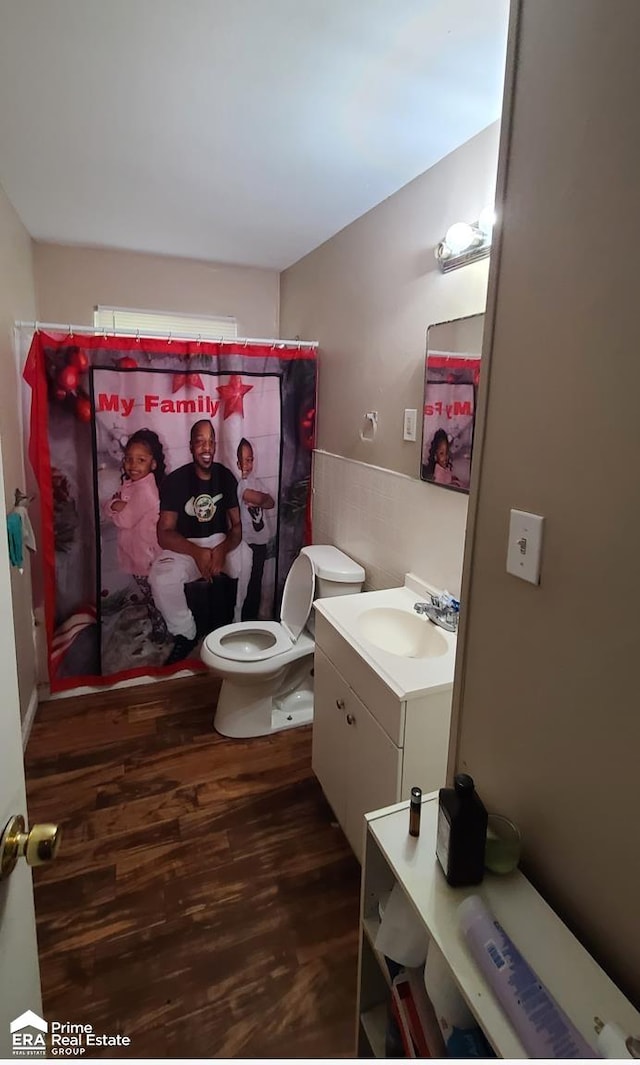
410,424
525,545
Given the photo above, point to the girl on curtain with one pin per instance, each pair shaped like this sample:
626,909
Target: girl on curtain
134,510
439,466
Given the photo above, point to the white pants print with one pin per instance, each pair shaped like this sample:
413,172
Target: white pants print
171,571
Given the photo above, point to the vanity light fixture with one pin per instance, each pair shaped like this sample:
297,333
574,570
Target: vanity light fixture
466,242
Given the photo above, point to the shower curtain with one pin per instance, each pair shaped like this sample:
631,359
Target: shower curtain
99,405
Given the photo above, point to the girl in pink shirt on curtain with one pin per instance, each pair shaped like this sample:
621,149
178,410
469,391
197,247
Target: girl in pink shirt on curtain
135,507
438,468
134,510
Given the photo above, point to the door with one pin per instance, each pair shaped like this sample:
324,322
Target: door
19,972
374,769
329,736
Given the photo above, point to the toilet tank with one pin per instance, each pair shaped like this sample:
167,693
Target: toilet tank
336,573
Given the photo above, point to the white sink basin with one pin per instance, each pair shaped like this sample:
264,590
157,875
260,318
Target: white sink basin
409,653
399,632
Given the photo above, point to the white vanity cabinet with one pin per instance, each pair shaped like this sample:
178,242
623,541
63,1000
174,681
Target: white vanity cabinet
370,747
358,766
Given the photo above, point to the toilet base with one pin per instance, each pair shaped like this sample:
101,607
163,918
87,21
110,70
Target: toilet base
244,711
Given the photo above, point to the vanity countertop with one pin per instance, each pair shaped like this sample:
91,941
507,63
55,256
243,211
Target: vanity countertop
408,677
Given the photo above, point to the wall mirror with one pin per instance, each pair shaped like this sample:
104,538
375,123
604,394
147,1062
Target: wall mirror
452,374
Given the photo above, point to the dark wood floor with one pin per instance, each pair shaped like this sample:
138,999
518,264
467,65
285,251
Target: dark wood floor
202,903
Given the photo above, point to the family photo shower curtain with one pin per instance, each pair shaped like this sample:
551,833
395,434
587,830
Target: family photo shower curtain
111,419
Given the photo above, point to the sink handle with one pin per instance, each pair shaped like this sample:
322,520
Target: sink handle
340,704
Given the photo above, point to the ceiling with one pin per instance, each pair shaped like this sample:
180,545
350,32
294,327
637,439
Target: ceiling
239,131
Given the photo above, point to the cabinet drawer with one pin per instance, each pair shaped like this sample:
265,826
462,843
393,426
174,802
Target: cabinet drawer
385,706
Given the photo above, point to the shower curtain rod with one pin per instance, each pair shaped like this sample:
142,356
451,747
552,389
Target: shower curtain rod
70,330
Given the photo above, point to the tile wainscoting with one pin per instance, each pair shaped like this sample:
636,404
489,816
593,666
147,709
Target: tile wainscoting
390,523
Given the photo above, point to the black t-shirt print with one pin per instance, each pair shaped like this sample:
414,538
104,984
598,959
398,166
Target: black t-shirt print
201,506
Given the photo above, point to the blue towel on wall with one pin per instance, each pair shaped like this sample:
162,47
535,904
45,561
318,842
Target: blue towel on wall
15,534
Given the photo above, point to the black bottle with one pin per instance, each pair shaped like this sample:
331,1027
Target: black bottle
462,832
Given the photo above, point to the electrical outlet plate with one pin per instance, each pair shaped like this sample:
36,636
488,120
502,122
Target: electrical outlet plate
525,545
410,424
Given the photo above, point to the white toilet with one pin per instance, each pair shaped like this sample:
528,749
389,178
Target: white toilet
267,666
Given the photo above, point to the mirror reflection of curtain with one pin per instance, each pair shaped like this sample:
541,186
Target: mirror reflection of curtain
452,374
449,410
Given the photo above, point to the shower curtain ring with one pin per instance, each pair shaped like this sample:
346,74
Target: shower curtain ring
137,336
169,338
70,332
199,340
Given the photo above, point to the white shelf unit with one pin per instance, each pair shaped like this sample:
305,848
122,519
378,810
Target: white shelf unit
572,976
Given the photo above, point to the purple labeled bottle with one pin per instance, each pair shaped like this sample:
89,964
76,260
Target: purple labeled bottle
544,1029
462,832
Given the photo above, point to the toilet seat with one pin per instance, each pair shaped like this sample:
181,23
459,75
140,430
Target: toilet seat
258,641
249,641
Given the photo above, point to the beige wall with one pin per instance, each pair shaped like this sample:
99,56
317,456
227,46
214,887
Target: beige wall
17,300
370,293
547,691
70,282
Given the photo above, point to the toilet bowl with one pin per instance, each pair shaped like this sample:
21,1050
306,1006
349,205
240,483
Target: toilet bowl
267,666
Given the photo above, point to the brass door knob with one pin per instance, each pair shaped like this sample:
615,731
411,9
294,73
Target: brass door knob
38,846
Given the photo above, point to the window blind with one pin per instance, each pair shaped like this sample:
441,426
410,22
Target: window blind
163,323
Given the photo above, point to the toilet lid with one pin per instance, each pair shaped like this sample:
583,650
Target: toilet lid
297,596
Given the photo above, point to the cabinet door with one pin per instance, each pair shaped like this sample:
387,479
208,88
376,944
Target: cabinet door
329,739
374,770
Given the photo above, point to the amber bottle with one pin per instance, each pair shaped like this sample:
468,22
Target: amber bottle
415,809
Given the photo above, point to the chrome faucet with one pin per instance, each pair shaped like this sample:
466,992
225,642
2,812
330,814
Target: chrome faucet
443,610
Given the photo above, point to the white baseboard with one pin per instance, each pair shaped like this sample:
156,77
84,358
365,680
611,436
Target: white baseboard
29,717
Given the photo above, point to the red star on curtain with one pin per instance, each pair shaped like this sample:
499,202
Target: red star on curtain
182,380
232,396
